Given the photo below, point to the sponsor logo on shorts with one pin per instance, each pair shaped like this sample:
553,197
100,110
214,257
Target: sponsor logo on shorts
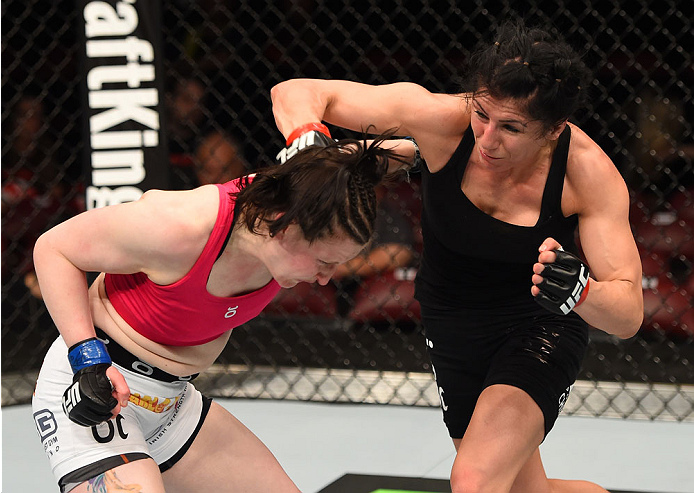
164,428
444,406
46,425
154,404
564,397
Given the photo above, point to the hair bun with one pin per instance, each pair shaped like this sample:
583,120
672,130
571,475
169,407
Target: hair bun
561,68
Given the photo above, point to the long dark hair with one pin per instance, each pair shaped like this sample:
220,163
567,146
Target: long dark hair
320,189
533,66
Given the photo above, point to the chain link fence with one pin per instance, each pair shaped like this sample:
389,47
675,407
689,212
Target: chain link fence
359,339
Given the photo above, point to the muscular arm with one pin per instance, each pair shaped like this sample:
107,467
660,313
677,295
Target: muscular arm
436,121
614,303
153,235
615,300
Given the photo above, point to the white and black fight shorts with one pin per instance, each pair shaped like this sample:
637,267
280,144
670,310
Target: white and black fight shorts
163,417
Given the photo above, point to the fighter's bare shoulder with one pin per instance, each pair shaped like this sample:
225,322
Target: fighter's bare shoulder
189,215
438,113
590,173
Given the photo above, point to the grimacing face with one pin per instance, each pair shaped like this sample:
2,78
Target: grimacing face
504,135
296,260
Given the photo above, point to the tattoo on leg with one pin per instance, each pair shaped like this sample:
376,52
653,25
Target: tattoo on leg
108,482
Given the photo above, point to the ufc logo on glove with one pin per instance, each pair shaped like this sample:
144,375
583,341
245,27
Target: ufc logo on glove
565,283
71,398
310,134
581,284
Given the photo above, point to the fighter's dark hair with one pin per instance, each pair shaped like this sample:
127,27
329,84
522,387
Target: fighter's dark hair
321,189
533,66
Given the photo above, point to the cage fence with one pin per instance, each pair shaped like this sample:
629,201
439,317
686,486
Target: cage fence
359,338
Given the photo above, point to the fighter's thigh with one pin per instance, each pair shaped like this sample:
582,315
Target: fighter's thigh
506,428
227,456
141,476
76,451
460,369
543,359
458,393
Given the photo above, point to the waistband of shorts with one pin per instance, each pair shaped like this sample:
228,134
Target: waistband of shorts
122,357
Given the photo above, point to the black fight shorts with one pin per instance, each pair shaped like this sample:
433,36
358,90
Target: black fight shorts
540,354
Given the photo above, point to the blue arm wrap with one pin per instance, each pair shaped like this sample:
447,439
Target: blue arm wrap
87,353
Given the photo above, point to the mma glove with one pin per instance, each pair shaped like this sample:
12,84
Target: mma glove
310,134
89,401
564,285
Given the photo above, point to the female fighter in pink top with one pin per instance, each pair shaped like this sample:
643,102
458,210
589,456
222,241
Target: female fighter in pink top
180,270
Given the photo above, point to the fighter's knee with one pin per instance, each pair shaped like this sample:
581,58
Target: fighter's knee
467,480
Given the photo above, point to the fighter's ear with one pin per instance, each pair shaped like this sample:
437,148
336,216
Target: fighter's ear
281,234
556,131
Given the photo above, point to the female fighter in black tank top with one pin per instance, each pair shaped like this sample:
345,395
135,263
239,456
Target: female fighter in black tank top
482,324
477,261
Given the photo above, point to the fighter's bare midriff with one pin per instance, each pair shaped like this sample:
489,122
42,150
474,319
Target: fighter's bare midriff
177,360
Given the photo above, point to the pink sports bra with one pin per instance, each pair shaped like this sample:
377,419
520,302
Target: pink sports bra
185,313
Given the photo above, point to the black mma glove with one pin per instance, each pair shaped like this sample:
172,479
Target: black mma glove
310,134
564,283
88,401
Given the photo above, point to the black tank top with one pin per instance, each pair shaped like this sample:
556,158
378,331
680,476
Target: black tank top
473,260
